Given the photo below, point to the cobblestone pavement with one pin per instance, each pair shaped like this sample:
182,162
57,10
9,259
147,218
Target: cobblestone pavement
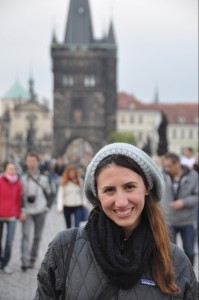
22,285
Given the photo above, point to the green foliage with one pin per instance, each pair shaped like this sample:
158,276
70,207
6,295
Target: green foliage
122,137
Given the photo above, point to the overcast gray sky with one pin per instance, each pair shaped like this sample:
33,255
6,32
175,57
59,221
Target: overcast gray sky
157,44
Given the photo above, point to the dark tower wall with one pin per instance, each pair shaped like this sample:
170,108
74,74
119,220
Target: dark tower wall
84,82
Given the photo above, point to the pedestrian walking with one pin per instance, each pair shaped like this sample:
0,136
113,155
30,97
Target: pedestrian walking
36,190
59,168
70,197
180,202
10,211
124,251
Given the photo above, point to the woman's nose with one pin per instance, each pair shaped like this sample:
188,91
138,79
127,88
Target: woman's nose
121,199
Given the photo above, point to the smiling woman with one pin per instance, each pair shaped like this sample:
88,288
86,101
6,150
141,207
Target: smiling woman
123,249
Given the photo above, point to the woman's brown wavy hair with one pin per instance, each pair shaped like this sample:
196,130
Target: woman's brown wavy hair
66,176
161,264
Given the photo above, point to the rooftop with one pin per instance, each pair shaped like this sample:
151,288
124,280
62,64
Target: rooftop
186,113
17,92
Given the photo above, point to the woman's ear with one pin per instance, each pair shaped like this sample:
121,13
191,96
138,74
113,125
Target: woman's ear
147,192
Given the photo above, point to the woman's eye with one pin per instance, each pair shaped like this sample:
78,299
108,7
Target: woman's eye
108,190
130,187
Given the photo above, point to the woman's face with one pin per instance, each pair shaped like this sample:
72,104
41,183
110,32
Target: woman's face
11,170
72,174
122,193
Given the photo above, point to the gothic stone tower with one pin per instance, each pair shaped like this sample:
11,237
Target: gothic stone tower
84,82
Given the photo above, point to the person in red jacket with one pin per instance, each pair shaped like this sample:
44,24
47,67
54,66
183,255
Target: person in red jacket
10,211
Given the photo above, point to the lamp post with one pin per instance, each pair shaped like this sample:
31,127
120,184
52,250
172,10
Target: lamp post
6,122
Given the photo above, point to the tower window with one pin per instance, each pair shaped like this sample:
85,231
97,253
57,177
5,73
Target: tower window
67,80
89,81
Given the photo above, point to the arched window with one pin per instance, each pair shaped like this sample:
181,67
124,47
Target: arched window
68,80
89,81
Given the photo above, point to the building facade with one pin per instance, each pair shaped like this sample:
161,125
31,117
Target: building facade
25,124
143,121
84,69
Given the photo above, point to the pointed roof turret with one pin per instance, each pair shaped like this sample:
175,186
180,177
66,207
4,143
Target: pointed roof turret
111,35
17,92
31,89
54,37
79,26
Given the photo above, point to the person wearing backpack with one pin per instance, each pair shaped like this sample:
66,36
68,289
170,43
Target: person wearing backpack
124,251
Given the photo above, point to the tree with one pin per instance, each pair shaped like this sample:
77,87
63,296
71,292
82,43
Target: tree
122,137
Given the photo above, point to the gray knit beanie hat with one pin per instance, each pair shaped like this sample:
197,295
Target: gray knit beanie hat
152,173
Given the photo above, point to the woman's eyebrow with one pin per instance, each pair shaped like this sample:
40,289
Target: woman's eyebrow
130,182
108,186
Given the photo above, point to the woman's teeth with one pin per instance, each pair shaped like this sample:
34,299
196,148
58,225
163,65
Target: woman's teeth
123,212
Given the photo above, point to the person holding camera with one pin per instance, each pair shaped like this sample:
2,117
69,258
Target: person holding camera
36,187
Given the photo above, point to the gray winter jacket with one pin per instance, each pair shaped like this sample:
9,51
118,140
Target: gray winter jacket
86,280
188,192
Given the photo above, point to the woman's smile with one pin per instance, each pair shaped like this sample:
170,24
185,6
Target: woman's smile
124,213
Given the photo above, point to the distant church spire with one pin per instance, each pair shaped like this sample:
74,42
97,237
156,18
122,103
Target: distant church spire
54,37
31,88
111,35
156,96
79,26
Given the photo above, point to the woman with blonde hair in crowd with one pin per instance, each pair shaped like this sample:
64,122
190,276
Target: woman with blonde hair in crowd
69,196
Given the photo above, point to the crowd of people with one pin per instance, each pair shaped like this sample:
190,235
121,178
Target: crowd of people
128,234
27,193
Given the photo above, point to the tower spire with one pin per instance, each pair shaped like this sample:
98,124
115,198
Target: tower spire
31,88
54,37
79,27
111,34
